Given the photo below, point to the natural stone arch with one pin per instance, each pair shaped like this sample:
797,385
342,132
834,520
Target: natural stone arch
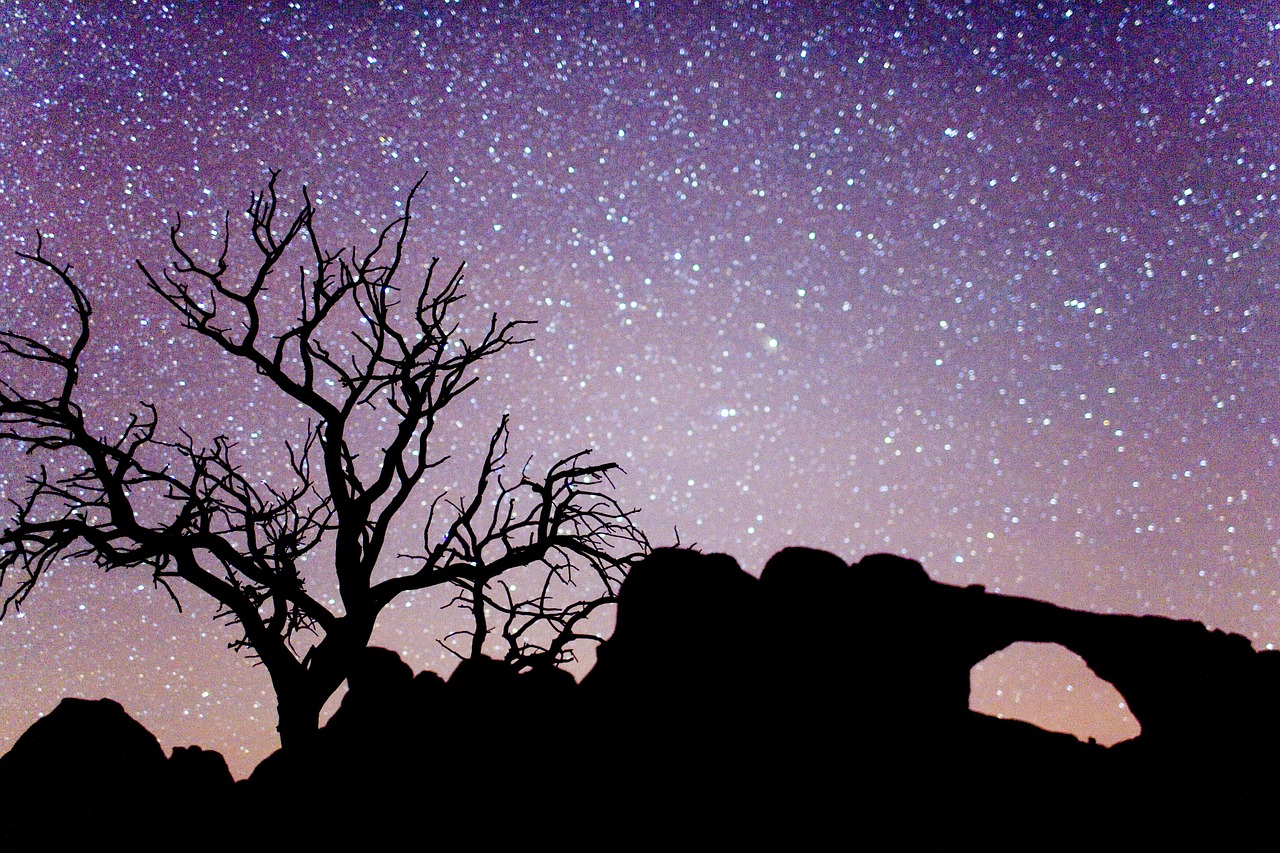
1049,685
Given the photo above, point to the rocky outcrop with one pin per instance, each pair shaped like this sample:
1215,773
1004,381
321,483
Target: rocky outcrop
821,664
86,748
88,771
899,647
821,689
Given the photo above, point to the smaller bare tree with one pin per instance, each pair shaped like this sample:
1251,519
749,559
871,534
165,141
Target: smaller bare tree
352,347
540,629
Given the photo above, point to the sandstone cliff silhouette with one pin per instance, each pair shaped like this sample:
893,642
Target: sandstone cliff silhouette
819,691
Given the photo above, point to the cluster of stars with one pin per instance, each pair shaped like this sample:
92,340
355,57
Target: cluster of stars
992,287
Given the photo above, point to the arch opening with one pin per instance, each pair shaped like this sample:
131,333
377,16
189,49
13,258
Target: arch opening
1050,686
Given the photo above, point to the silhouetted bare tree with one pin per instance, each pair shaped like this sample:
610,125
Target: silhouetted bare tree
354,344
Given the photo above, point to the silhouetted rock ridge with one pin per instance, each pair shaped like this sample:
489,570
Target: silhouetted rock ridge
817,692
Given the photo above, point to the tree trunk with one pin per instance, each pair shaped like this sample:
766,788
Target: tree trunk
302,692
299,715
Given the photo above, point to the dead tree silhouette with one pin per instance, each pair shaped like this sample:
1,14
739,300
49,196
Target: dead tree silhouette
357,343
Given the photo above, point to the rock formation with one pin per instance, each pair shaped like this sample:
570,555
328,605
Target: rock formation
820,690
88,772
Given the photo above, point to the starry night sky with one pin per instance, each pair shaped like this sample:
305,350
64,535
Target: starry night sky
991,285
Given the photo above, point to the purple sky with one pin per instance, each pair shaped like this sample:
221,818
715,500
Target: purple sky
995,286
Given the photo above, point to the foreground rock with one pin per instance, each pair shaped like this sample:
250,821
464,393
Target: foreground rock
734,710
88,771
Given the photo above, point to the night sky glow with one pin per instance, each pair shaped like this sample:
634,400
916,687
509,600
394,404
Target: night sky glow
995,286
